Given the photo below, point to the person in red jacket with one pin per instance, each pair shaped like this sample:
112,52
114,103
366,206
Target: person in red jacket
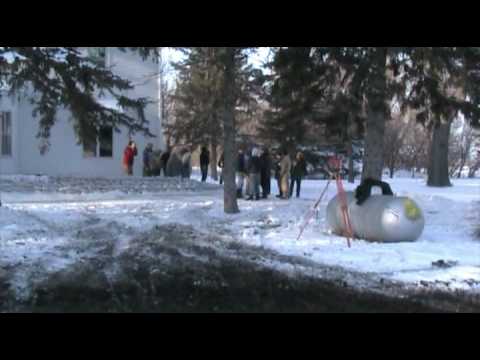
128,157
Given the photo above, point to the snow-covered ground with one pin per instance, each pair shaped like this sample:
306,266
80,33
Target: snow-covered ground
47,222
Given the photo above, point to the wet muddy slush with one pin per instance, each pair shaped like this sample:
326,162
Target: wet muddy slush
174,268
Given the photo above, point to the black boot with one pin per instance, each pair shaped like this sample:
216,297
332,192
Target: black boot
239,194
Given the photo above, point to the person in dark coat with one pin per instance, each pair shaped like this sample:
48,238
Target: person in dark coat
265,173
299,170
164,161
156,165
221,165
254,168
248,157
174,164
204,162
148,161
186,163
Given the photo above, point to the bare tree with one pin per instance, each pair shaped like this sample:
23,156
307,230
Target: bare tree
414,152
393,143
474,165
461,145
166,102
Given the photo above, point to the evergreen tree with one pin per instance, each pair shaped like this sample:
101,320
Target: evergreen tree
292,91
239,86
57,77
367,80
198,101
214,85
442,83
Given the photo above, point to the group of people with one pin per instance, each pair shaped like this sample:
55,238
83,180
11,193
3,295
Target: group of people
254,168
154,163
171,162
254,171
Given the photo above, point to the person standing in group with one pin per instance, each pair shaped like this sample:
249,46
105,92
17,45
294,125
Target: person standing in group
148,160
204,162
186,163
248,183
221,164
164,160
278,158
128,157
241,172
299,170
254,168
285,168
265,172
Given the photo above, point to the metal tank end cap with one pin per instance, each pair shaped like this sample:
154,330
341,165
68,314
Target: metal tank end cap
412,211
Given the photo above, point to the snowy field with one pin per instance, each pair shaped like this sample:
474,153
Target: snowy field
49,222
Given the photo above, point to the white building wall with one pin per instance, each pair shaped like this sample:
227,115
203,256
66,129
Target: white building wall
65,157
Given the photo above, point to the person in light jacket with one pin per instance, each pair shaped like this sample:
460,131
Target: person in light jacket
285,168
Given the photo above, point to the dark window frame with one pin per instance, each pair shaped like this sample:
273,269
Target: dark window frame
6,134
105,142
101,146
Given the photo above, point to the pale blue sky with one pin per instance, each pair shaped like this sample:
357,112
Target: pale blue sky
256,59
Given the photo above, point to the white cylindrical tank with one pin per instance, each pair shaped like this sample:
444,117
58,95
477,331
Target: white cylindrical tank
380,218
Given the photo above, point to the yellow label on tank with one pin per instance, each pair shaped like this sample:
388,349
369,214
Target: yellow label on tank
411,210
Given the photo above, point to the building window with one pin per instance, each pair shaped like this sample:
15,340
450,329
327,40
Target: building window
98,55
6,133
105,139
100,145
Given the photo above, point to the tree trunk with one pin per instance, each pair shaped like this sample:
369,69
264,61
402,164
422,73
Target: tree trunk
375,125
392,169
351,175
373,158
473,169
438,162
462,165
214,161
471,172
230,190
